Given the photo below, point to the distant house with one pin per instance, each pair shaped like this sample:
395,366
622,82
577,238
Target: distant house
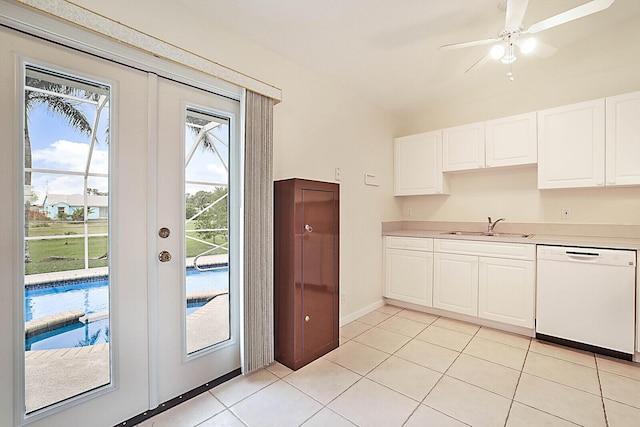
54,204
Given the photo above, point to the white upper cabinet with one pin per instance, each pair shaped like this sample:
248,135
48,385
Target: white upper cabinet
463,147
511,141
623,139
571,145
418,164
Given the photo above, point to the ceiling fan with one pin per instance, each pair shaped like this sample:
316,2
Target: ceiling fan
512,36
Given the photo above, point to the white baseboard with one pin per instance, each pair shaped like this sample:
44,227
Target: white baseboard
358,314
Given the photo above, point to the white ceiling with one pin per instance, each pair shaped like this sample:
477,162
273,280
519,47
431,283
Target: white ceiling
387,51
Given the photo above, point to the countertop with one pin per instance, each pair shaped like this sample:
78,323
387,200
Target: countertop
596,241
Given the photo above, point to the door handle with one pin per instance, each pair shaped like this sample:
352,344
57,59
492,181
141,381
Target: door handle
164,256
308,228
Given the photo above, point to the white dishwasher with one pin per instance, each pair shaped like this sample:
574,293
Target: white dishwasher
586,298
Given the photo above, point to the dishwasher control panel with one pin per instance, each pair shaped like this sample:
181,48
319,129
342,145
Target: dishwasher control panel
620,257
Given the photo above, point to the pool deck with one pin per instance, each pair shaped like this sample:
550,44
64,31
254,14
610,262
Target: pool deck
55,375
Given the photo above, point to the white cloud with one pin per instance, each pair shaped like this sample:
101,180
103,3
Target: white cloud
70,156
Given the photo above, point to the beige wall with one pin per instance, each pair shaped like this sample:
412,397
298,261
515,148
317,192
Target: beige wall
512,193
605,64
318,127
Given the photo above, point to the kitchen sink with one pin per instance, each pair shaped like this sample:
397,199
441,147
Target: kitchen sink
487,234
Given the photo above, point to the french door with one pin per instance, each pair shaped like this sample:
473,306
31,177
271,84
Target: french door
197,201
164,202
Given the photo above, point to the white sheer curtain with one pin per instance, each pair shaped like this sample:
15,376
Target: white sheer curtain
258,231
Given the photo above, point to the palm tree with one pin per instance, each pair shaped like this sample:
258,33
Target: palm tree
65,107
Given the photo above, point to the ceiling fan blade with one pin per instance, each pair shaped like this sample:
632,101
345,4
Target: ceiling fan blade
480,62
515,13
468,44
570,15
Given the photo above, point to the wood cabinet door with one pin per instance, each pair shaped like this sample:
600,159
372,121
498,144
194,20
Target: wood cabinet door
511,141
463,147
506,291
623,139
319,278
455,283
409,276
571,141
418,164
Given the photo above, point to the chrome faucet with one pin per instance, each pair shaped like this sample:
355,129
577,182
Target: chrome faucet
493,224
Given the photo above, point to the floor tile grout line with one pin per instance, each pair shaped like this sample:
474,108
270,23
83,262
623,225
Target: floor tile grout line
604,407
515,390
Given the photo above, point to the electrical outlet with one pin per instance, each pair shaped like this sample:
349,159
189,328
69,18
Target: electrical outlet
565,213
343,298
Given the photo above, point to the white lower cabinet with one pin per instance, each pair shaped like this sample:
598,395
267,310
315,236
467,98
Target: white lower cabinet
506,291
455,284
409,269
490,280
486,279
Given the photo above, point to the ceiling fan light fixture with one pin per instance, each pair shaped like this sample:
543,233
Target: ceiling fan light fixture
528,46
509,57
497,51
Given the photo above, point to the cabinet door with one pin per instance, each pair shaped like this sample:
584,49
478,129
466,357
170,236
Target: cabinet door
623,139
319,271
571,146
511,141
409,276
455,283
463,147
418,164
507,291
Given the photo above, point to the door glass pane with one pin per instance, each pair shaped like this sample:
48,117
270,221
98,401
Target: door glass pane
66,228
207,139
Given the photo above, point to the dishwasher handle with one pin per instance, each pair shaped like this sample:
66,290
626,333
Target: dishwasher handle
584,256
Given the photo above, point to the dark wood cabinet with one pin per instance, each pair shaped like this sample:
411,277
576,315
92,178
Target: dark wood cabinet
306,270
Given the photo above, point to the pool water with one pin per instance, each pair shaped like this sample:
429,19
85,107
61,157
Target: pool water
93,297
76,335
90,297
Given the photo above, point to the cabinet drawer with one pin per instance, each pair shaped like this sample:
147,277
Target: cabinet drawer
409,243
489,249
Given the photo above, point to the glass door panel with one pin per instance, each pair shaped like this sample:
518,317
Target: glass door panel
207,139
66,229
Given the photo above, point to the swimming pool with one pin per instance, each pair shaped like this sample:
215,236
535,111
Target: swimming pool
91,297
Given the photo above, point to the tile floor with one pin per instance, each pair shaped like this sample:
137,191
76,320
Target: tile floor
399,367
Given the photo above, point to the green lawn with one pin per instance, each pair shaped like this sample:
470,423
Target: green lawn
45,254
